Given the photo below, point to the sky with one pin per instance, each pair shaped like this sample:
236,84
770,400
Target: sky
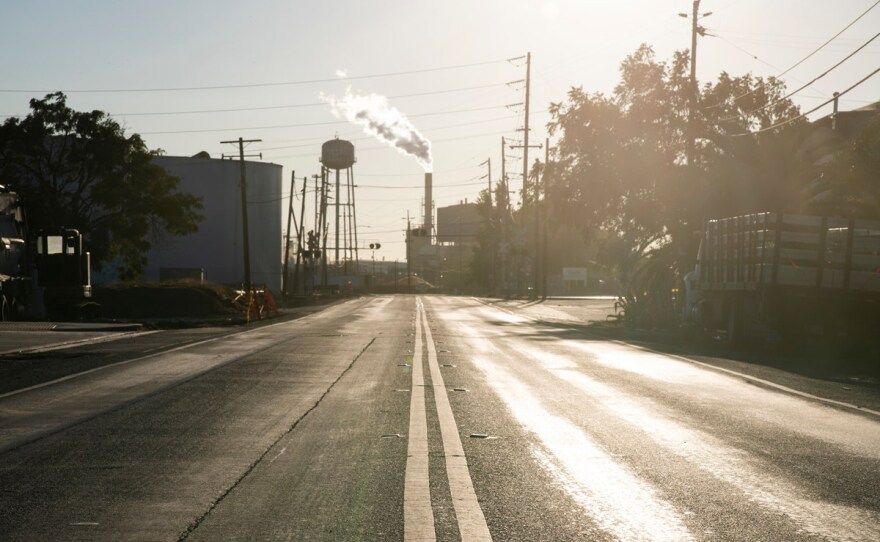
188,74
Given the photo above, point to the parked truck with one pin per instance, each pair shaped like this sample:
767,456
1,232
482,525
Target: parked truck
42,276
777,276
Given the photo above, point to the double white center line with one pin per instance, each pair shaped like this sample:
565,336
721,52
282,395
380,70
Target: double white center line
418,515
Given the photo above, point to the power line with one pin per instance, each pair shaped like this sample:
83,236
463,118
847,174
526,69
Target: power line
802,115
816,50
802,87
325,123
258,85
436,186
288,106
832,38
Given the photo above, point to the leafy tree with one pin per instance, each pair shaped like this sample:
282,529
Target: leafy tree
850,184
80,170
621,171
482,263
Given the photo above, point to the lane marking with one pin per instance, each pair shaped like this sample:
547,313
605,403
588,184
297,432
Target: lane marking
471,521
747,377
76,342
611,494
756,481
753,379
418,514
158,354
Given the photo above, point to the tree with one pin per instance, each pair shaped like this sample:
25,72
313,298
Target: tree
482,271
621,172
850,184
80,170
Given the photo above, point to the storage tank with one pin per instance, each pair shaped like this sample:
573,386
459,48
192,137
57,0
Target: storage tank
337,154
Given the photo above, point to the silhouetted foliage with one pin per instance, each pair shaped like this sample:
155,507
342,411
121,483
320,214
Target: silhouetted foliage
850,184
621,172
80,170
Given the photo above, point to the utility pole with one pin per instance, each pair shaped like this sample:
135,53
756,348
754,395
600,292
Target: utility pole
299,237
284,275
492,275
526,126
503,200
325,187
696,30
525,146
544,221
408,258
244,217
503,176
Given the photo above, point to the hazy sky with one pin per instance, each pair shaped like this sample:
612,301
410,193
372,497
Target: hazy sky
443,64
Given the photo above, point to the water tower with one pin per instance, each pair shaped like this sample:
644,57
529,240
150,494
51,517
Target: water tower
338,155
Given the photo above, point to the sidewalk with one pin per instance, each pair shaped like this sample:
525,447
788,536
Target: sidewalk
26,336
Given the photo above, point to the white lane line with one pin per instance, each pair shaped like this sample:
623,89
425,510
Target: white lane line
828,520
752,379
615,498
77,342
471,521
755,379
418,515
748,474
255,330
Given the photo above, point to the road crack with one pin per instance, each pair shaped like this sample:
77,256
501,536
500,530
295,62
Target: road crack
198,521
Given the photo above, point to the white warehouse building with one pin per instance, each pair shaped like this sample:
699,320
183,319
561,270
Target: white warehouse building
216,251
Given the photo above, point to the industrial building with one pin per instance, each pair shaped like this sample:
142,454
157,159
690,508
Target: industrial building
215,252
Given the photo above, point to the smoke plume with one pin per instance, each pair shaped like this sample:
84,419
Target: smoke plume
384,122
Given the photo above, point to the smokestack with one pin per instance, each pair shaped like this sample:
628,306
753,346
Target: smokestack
429,208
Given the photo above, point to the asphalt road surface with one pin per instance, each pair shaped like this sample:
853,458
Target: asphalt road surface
425,418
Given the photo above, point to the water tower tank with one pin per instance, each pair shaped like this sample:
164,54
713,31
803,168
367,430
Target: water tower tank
337,154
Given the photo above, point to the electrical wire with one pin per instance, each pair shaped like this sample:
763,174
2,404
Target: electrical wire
803,115
802,87
801,61
257,85
289,106
303,125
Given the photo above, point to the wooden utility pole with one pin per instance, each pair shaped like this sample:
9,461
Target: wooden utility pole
244,217
691,140
526,127
503,176
284,274
503,202
492,272
544,221
408,256
299,238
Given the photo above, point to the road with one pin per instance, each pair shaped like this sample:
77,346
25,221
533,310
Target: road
426,418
